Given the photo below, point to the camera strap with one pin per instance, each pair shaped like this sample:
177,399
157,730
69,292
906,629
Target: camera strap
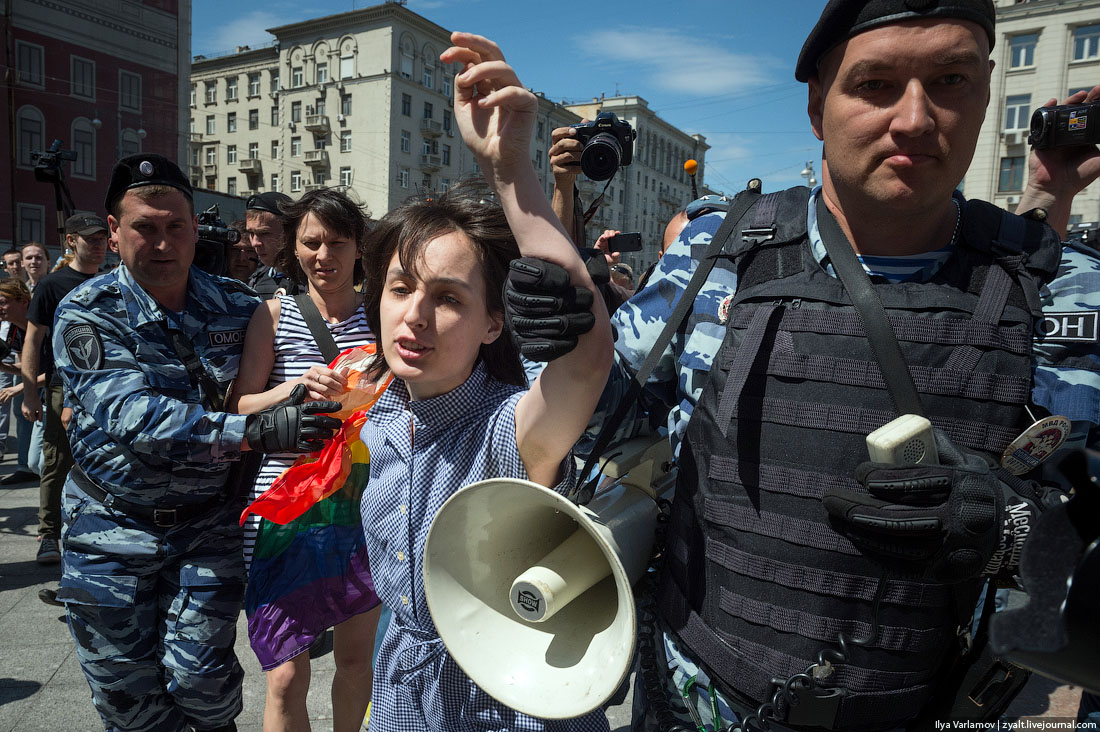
591,210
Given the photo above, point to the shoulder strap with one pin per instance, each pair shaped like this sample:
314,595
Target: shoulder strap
899,382
737,210
321,334
181,344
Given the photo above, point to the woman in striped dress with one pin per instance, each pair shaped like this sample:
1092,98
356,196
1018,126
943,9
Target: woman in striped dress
324,231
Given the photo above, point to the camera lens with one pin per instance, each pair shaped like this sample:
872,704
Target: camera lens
1039,128
600,158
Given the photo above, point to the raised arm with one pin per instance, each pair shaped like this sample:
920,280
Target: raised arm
495,115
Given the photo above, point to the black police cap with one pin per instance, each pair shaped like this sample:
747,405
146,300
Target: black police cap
842,19
145,169
267,202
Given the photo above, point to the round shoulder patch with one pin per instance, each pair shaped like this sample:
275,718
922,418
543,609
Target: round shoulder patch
83,346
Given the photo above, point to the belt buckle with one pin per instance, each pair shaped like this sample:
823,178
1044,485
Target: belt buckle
164,518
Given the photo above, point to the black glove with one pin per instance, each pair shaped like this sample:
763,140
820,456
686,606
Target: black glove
946,523
291,426
544,312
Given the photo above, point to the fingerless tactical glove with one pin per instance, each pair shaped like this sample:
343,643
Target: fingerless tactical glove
291,426
544,312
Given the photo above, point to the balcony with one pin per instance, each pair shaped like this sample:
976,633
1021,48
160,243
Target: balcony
317,124
196,137
195,171
316,158
313,187
430,162
210,170
251,166
431,128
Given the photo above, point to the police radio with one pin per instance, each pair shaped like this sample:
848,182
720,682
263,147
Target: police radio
907,440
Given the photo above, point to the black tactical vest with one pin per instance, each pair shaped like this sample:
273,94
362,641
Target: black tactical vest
756,581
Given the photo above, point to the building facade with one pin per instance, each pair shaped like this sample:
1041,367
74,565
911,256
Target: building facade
104,78
1045,49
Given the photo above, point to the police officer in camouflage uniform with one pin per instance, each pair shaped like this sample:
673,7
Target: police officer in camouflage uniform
152,570
898,89
264,225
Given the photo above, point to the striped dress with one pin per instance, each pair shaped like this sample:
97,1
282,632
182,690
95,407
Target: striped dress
295,352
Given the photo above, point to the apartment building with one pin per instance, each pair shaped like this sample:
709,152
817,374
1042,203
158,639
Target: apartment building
104,78
1045,49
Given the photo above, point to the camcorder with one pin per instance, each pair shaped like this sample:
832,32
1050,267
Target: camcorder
608,143
47,163
214,237
1064,125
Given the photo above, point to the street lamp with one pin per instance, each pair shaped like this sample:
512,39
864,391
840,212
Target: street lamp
808,174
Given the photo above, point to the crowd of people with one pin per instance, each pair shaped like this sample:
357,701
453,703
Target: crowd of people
799,586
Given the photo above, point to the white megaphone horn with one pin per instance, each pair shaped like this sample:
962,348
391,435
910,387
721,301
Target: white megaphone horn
531,593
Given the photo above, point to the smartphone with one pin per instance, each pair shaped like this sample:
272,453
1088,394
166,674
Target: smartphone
631,242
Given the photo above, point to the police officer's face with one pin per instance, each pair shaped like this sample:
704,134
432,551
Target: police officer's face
899,109
155,239
265,233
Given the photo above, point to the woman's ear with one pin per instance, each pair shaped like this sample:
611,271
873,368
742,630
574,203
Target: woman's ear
496,327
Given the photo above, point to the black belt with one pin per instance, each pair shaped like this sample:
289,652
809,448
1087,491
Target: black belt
162,518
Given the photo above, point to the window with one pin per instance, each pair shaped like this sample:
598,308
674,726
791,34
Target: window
426,183
275,182
30,64
446,154
211,96
231,154
1086,43
253,85
406,105
428,79
210,128
295,147
447,91
318,176
320,107
538,163
540,130
297,77
30,128
82,72
345,141
427,110
194,156
447,120
253,119
426,147
347,67
83,137
129,91
192,97
295,111
31,221
274,149
1012,174
405,141
231,122
211,156
345,104
1018,112
1021,50
345,177
275,116
253,150
231,185
444,185
296,181
322,73
403,177
274,75
406,60
231,89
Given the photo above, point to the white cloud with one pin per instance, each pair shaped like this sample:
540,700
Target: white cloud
677,61
247,30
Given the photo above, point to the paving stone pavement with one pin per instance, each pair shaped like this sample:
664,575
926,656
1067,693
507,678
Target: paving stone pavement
42,688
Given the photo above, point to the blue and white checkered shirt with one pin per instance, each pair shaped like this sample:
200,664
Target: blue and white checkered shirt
421,453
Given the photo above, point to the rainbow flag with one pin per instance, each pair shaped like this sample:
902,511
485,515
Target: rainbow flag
309,566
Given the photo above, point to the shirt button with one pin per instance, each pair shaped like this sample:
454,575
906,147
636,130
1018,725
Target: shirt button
401,508
400,556
404,600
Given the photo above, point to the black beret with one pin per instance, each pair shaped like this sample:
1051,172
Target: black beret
267,202
145,169
842,19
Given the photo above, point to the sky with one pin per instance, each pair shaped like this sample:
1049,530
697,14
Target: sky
720,68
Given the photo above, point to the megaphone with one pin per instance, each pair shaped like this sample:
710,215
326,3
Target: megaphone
531,593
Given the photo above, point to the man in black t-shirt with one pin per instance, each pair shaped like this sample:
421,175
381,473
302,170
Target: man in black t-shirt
86,236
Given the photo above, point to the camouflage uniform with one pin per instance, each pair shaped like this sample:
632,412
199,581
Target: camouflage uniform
153,610
1065,356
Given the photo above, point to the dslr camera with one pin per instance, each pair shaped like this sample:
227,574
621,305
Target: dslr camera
1064,125
608,143
214,237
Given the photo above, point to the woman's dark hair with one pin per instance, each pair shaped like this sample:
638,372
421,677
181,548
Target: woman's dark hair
336,211
468,208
